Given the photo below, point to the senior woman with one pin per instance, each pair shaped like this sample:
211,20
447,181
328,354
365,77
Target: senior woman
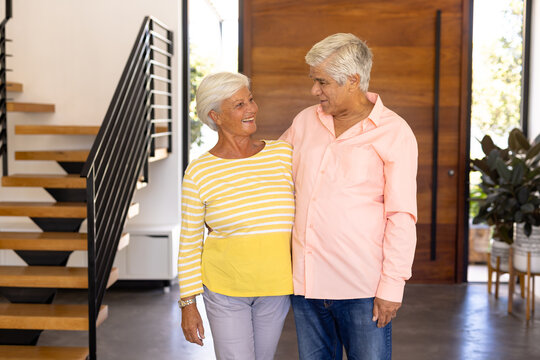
242,190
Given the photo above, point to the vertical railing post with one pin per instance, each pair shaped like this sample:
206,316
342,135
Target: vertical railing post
169,90
3,98
152,98
9,9
92,311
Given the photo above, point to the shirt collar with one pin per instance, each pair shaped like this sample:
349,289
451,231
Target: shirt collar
375,115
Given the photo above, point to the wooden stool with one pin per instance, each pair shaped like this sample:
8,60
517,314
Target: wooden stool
499,272
529,277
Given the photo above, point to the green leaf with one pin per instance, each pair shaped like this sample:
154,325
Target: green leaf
535,150
513,144
520,139
527,208
523,195
488,145
518,216
503,170
517,174
492,158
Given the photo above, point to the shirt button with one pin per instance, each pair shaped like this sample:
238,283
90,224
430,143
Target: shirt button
322,171
314,199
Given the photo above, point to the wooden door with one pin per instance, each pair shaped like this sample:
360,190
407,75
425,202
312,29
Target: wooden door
403,36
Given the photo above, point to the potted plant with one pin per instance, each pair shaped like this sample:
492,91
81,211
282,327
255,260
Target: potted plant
511,180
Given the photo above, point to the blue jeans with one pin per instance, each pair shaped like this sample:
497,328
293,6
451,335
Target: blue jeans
324,327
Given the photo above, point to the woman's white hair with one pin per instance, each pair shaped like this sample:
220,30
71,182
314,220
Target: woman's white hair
213,90
345,55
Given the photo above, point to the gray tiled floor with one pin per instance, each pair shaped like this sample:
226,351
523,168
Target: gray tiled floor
436,322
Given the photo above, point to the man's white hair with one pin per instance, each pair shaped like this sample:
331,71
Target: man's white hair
213,90
344,55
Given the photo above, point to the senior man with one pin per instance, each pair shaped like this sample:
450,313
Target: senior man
354,167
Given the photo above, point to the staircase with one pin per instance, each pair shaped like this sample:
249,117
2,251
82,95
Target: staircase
98,185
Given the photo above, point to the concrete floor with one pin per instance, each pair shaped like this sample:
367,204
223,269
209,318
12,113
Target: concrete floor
436,322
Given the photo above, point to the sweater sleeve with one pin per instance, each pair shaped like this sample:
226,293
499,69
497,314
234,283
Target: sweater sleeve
191,240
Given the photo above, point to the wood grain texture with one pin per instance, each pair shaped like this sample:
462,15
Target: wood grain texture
14,87
55,130
401,35
48,277
43,209
29,107
69,181
41,241
15,352
59,155
47,316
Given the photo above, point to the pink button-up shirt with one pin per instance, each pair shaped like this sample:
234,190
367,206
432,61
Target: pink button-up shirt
354,233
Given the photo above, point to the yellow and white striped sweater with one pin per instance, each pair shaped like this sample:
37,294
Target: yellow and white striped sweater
249,205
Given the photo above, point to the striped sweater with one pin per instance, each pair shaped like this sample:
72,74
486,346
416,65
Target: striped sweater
249,205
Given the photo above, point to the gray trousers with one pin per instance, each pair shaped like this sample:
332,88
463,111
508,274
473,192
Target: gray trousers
245,327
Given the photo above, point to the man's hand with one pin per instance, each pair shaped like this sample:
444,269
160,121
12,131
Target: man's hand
384,311
192,324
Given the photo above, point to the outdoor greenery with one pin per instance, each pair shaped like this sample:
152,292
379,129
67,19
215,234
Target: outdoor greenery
511,181
198,70
496,88
496,102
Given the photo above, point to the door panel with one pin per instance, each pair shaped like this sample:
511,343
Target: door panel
401,33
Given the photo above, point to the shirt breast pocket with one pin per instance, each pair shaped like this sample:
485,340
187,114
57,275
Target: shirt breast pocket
359,164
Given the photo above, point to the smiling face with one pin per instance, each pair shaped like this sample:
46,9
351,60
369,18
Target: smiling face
332,96
237,114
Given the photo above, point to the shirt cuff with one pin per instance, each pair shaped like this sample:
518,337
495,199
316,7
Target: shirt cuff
390,290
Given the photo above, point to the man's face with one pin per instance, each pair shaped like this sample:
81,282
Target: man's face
332,96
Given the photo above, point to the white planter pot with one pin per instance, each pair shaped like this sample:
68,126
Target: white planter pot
524,245
521,240
502,250
520,259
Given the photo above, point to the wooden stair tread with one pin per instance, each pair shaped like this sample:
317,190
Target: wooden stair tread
54,241
67,129
50,241
47,316
29,107
43,209
159,154
14,86
55,130
58,155
48,276
69,181
17,352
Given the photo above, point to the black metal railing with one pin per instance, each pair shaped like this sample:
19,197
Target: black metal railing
3,91
121,151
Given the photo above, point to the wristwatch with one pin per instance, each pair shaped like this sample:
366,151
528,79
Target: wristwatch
183,304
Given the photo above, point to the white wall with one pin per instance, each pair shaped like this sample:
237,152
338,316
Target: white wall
534,95
71,53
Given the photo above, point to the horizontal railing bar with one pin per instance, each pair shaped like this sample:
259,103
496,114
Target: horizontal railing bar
166,107
167,133
161,65
160,78
160,37
159,92
159,121
161,51
159,23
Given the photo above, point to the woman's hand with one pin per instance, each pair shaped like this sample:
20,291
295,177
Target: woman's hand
192,325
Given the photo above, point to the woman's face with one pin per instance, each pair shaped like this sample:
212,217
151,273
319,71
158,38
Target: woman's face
237,115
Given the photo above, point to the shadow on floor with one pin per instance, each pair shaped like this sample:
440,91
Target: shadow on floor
446,322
